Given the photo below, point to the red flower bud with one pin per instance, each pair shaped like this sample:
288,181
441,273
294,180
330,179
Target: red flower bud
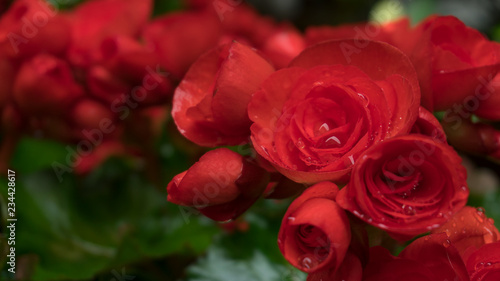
315,233
45,86
221,185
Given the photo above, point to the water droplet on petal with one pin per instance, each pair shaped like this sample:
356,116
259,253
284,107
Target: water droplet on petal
446,243
351,158
291,218
408,210
333,141
323,128
364,98
300,143
491,221
487,264
307,261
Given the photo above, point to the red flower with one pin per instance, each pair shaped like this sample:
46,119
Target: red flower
30,27
452,58
313,119
484,264
406,185
469,229
221,185
95,20
180,38
430,258
45,86
127,71
283,46
315,233
210,104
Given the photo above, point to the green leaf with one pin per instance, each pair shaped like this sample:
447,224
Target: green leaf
250,255
32,155
218,266
110,218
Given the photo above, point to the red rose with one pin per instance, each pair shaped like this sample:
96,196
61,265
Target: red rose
406,185
484,264
428,125
45,86
221,185
469,229
452,58
315,233
210,104
30,27
313,119
95,20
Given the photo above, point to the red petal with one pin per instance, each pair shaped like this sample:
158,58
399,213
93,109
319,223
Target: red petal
438,254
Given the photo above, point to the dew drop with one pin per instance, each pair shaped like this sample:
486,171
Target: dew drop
333,141
479,265
446,243
364,98
226,221
300,143
408,210
487,264
464,188
351,158
306,261
323,128
491,221
291,218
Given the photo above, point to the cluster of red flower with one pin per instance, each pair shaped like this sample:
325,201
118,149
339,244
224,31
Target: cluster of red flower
352,109
102,75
